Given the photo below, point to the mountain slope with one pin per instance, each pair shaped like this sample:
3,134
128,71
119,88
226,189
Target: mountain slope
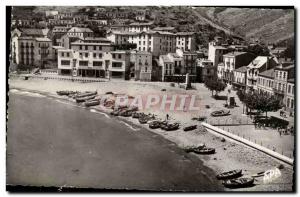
270,25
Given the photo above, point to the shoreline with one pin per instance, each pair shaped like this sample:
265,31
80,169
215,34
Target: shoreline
229,154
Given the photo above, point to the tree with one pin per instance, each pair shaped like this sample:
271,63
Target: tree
262,102
214,84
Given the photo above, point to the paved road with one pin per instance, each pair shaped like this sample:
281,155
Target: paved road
54,144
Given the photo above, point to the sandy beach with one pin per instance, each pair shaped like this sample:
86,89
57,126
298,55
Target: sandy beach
229,155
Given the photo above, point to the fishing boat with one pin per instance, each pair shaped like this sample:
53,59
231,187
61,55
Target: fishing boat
86,98
143,120
125,113
64,92
154,124
170,127
93,102
239,182
220,113
189,149
204,151
230,174
86,94
137,115
189,128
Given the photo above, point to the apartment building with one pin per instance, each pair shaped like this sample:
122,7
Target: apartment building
240,77
205,69
62,19
156,42
139,27
93,59
142,65
216,52
232,61
141,15
265,82
80,18
258,65
282,74
279,81
31,47
80,32
186,41
175,66
57,32
290,96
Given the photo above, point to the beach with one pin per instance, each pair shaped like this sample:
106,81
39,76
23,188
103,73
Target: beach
229,154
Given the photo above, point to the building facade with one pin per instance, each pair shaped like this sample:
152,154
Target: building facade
186,41
143,65
258,65
232,61
240,77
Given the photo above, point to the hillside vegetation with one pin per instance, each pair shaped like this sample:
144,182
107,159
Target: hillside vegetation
269,25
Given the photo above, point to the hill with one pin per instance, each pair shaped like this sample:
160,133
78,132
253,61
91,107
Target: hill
268,25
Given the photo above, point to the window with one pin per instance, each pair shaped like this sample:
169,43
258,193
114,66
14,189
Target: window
95,47
86,54
292,103
86,47
62,53
100,55
83,63
120,56
80,47
117,64
94,55
114,56
65,62
97,63
68,54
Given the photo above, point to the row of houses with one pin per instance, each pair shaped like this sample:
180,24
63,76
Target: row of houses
100,17
244,70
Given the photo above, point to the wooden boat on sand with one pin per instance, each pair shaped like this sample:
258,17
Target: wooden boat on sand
230,174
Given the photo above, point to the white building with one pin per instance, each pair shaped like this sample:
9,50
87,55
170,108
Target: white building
258,65
80,32
216,52
186,41
139,27
93,59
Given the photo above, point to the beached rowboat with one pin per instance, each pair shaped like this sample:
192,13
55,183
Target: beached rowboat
204,151
154,124
230,174
189,128
83,99
86,94
238,183
93,102
65,93
220,113
169,127
189,149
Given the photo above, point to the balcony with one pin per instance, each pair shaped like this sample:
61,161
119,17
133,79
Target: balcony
277,91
